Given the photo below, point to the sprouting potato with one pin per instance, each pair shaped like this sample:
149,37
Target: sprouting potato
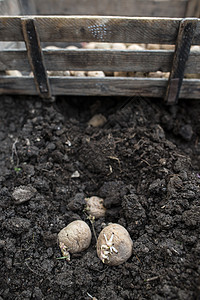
74,238
71,47
15,73
118,46
90,46
78,73
95,207
52,48
195,48
153,46
167,47
95,73
135,47
105,46
58,73
114,245
120,74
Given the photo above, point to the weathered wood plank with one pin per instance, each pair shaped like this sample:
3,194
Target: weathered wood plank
182,50
14,60
100,60
97,29
109,60
35,57
99,86
29,7
193,9
166,8
9,7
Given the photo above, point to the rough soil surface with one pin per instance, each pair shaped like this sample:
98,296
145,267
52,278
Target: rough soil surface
144,163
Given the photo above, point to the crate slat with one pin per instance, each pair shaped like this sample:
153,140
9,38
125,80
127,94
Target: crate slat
97,29
186,33
193,9
35,57
166,8
14,60
100,60
147,87
29,7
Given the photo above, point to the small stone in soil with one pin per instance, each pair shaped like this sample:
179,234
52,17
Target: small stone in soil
77,203
75,174
23,193
97,120
186,132
17,225
2,243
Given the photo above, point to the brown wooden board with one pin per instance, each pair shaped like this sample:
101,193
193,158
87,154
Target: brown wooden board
193,8
14,60
97,29
29,7
146,87
9,7
35,57
166,8
184,40
104,60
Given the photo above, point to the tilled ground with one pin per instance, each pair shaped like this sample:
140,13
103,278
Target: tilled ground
144,163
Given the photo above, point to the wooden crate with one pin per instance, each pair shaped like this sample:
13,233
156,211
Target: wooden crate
34,30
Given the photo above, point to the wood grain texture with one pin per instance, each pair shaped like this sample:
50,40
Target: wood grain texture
102,60
97,29
166,8
99,86
193,8
184,40
14,60
35,57
28,7
9,7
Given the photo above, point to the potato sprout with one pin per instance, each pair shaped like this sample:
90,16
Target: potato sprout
114,245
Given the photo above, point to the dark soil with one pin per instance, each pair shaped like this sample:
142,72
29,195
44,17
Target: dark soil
143,162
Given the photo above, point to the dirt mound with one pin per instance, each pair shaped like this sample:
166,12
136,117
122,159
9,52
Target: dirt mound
143,162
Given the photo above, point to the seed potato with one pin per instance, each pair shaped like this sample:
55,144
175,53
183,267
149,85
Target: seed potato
75,237
114,245
94,207
95,74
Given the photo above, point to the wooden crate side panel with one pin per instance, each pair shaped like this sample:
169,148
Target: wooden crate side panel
28,7
100,60
9,7
99,86
14,60
97,29
140,8
193,9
